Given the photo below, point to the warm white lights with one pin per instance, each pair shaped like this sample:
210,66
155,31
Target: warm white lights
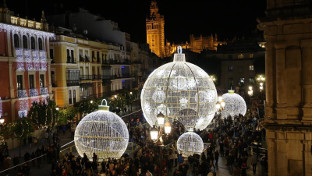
103,133
181,91
250,91
154,133
189,144
160,119
167,127
234,105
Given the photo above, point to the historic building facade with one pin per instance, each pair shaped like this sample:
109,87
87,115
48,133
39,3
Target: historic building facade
288,122
24,63
155,31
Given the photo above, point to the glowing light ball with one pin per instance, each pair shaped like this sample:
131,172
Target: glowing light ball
189,144
234,105
103,133
181,91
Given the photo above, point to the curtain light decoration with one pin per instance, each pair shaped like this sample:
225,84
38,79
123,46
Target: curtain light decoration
28,60
43,60
33,92
234,105
23,106
22,93
44,91
189,144
37,100
36,61
181,91
103,133
24,30
20,66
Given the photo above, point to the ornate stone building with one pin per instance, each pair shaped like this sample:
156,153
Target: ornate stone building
288,33
155,31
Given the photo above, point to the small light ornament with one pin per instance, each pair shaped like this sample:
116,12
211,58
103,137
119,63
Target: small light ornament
103,133
154,133
234,105
190,143
167,127
180,91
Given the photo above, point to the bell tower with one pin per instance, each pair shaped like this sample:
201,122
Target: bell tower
155,31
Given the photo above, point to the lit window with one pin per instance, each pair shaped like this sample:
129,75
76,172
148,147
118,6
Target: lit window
19,81
240,56
251,56
251,67
41,80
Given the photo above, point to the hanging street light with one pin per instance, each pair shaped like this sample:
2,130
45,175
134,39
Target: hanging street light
160,119
154,133
167,127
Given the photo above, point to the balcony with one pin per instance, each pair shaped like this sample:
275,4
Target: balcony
84,59
116,77
22,93
70,60
72,83
33,92
96,77
85,77
44,91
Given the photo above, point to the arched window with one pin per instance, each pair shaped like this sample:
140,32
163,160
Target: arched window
25,42
32,43
16,41
40,43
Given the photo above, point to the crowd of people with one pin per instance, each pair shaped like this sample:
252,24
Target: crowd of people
235,140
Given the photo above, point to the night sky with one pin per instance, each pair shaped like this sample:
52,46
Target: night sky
227,18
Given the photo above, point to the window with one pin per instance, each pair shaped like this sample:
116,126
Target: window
240,56
74,96
25,45
31,81
72,56
251,67
16,41
241,82
41,80
40,43
231,68
51,54
68,55
251,56
70,97
32,43
19,81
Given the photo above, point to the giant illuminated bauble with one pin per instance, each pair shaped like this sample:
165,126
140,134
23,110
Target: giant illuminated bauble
234,105
189,144
181,91
103,133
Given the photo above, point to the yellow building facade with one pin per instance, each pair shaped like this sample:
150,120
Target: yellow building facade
76,69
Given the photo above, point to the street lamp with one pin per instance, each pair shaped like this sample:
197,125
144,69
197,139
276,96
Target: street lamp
91,101
57,108
115,96
154,133
1,121
130,93
167,127
160,119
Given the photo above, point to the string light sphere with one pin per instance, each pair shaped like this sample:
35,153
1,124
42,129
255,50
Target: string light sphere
181,91
234,105
190,143
103,133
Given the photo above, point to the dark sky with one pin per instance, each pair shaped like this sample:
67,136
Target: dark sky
227,18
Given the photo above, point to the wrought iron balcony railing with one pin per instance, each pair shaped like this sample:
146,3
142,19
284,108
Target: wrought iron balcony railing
44,91
33,92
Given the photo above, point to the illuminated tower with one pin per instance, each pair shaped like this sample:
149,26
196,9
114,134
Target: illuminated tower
155,31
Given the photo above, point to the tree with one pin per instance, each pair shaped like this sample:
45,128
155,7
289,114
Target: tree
66,114
44,114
